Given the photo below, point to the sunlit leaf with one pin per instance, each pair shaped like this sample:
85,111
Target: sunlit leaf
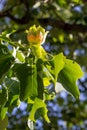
20,56
69,75
47,74
3,112
61,37
46,81
13,99
76,1
61,2
59,63
37,105
59,87
30,124
49,95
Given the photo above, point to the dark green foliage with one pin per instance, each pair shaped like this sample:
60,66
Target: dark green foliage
3,96
6,60
27,76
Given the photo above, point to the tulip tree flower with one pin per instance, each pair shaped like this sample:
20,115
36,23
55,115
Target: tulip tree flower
36,37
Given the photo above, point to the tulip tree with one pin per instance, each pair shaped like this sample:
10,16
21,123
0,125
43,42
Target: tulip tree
27,71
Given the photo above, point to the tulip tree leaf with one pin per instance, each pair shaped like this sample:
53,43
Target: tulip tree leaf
13,85
5,63
20,56
3,112
3,123
40,87
37,105
69,75
3,96
58,61
5,60
27,76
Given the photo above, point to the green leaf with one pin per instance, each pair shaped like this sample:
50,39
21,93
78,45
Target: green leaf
14,98
61,2
48,74
13,85
3,49
59,63
3,123
27,76
5,63
40,87
20,56
3,112
39,65
5,36
49,95
69,75
46,81
76,1
12,102
3,96
5,60
37,105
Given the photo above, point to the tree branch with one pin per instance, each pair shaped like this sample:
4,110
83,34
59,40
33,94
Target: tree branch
82,84
67,27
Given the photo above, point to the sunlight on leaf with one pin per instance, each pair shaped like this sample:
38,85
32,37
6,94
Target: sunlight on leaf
59,87
58,64
38,104
69,75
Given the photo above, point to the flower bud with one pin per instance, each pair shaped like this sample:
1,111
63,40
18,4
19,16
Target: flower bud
36,35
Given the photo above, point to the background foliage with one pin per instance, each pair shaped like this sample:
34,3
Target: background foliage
67,22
